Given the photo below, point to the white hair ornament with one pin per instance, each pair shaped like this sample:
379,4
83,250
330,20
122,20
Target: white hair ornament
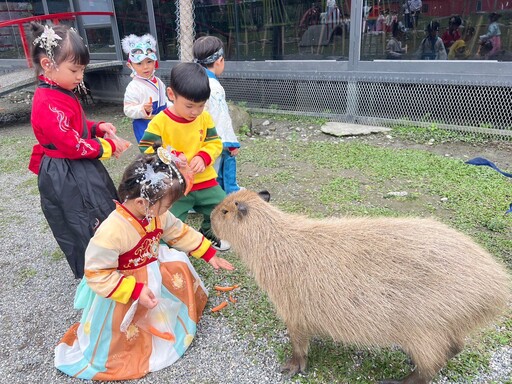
48,40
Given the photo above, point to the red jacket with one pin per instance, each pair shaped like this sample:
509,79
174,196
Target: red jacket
61,128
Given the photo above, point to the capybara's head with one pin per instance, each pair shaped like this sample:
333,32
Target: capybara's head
238,212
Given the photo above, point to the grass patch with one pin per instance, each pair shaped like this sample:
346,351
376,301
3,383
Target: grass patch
435,134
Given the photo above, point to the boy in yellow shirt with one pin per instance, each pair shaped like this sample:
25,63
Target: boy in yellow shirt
190,132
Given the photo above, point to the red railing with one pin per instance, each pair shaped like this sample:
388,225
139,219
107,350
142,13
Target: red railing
55,17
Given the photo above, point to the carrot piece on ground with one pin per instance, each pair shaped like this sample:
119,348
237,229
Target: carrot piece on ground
225,289
220,306
232,299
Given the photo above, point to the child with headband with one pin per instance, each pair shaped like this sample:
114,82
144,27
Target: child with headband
76,190
145,95
141,303
209,52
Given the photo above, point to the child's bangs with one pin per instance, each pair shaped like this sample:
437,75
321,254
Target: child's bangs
76,51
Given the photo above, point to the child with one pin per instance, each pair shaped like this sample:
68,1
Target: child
493,36
141,303
452,34
432,47
145,94
190,131
76,190
394,49
209,52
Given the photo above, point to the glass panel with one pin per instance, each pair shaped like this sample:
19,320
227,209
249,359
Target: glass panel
132,17
165,18
100,40
436,30
95,6
57,6
10,40
277,29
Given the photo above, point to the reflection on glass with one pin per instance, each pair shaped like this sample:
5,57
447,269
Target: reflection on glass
132,17
466,30
277,29
10,40
165,19
100,40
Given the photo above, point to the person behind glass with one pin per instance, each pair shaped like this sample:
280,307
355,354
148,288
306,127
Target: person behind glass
387,21
432,47
452,34
394,50
310,17
145,95
379,24
76,190
190,132
128,270
459,50
209,52
492,39
407,14
415,9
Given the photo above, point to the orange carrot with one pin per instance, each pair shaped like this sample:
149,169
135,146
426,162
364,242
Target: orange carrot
232,299
164,335
220,306
225,289
150,99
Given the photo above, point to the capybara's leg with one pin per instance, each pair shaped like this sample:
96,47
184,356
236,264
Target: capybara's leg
427,365
413,378
298,361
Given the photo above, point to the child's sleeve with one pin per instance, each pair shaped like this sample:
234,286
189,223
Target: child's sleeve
184,238
219,110
211,147
133,106
64,134
151,136
101,264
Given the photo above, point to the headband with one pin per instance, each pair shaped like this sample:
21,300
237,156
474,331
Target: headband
212,58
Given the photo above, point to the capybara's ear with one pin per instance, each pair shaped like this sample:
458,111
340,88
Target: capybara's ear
265,195
242,209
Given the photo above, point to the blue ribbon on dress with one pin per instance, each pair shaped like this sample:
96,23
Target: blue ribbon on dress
482,161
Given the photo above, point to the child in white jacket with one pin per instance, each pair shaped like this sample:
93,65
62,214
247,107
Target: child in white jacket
146,94
209,52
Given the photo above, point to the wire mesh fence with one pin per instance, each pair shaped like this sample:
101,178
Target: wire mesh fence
466,107
185,29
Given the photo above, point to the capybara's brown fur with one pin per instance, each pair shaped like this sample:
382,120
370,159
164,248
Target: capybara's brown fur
374,282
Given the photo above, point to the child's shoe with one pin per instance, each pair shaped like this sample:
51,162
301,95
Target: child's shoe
218,244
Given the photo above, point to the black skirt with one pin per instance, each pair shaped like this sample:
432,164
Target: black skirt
76,196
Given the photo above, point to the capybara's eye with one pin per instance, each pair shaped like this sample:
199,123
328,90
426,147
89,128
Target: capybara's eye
224,211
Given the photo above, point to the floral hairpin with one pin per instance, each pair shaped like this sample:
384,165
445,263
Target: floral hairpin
185,174
48,40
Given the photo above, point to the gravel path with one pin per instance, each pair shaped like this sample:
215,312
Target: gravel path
36,308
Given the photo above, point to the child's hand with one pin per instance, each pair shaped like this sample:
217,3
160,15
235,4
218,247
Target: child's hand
197,164
234,152
219,262
147,298
148,107
107,128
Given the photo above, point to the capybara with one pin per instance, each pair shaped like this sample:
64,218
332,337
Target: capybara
371,282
